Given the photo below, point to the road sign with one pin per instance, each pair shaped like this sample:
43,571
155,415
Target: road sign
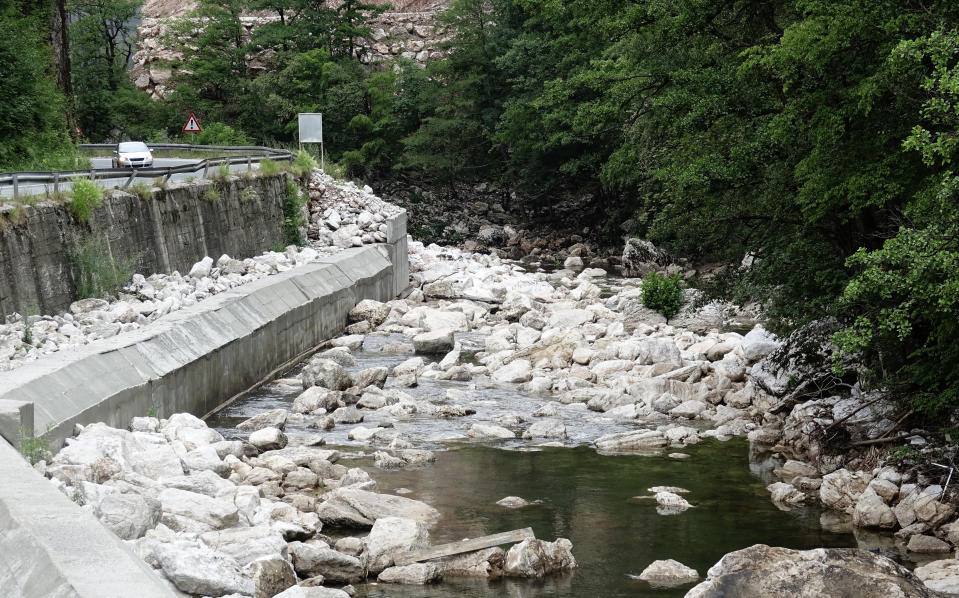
311,127
192,125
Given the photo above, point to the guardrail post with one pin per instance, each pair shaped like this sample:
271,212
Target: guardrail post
16,188
56,182
249,164
206,169
133,175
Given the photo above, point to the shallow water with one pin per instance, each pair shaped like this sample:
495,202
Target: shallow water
587,498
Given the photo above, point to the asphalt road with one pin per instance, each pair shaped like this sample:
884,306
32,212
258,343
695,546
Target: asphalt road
105,163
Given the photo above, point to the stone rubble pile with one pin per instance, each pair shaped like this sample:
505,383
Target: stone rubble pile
344,215
141,301
245,518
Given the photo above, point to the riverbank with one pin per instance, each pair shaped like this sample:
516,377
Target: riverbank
480,351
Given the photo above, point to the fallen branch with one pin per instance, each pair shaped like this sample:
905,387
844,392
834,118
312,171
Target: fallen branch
881,440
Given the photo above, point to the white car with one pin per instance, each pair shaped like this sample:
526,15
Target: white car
132,154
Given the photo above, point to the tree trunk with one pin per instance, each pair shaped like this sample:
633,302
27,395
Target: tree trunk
59,42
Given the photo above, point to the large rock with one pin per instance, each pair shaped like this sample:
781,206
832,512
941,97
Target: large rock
196,569
640,257
516,372
841,489
415,574
310,560
759,343
374,312
479,563
316,397
246,544
275,418
547,428
762,570
350,507
872,511
192,512
271,575
484,431
668,573
941,576
433,342
537,558
268,439
927,544
326,373
129,516
390,537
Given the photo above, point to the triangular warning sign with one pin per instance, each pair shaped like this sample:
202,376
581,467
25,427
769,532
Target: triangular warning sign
192,125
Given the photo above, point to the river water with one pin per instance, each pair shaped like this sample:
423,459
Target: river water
581,495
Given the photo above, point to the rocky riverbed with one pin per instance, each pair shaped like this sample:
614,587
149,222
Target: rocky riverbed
576,360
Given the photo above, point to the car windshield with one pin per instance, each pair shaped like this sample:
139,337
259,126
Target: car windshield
133,146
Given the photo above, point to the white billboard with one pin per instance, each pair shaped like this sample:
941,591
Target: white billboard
311,127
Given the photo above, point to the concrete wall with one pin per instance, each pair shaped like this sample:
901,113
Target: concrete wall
194,359
169,230
51,548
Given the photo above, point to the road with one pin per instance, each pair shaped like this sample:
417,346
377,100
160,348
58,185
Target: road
104,163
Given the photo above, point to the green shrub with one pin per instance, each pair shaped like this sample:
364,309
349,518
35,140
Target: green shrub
293,218
663,293
212,195
86,197
100,275
269,167
303,164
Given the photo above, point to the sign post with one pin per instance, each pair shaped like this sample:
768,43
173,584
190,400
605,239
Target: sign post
192,126
311,131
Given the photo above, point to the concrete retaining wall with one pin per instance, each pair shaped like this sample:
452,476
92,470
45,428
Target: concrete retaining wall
169,230
194,359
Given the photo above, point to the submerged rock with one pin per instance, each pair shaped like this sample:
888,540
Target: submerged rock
415,574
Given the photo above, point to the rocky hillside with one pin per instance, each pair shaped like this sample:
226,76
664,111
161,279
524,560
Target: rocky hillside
407,29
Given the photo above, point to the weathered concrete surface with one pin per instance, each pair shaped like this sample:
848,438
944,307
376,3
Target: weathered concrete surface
14,417
194,359
50,548
170,230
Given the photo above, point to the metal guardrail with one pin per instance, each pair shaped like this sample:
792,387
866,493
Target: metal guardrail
253,154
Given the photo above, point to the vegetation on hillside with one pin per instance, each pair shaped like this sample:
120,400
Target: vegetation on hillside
815,135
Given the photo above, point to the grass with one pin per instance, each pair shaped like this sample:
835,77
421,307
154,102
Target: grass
141,189
249,194
269,167
212,195
100,275
303,164
34,448
87,195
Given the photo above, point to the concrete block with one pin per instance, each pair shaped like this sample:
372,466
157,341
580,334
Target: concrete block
14,416
396,227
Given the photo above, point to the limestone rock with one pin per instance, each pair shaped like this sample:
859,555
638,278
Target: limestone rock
479,563
538,558
268,439
668,573
199,570
349,507
512,502
549,428
312,592
275,418
310,560
762,570
415,574
927,544
941,576
516,372
129,516
271,575
206,513
433,342
390,537
633,441
326,373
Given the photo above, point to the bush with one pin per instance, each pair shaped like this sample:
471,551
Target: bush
100,275
293,218
663,293
303,164
86,198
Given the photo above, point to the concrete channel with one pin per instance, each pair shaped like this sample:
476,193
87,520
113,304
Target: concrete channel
193,361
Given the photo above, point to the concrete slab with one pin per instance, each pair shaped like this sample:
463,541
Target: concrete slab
15,416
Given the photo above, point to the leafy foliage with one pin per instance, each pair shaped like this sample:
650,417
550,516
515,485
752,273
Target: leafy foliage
293,218
663,293
86,197
99,274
